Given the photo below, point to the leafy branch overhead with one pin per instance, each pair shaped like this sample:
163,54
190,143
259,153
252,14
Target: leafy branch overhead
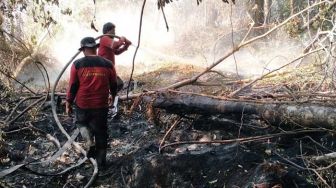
39,10
162,3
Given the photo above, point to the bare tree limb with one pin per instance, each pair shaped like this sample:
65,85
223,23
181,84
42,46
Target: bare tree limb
137,47
326,157
23,85
235,49
168,132
312,20
241,140
262,76
24,111
18,104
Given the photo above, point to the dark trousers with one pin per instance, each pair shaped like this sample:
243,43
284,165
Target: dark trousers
92,124
120,83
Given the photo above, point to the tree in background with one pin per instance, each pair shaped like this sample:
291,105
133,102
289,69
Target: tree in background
18,46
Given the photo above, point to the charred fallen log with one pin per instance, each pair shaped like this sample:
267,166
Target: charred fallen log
309,115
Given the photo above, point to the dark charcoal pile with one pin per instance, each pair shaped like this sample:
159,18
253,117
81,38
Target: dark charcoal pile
134,159
257,164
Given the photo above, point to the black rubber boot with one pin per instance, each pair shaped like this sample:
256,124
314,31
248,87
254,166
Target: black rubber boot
101,158
92,152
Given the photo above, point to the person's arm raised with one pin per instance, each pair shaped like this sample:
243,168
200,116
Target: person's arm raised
122,45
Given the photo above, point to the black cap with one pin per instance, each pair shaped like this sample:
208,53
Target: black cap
107,27
88,42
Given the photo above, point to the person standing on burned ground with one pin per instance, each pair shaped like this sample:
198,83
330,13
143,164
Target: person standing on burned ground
111,46
92,80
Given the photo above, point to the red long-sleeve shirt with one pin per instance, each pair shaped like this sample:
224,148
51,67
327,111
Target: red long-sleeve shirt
108,47
91,79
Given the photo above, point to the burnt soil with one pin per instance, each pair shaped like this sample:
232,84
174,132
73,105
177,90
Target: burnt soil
134,159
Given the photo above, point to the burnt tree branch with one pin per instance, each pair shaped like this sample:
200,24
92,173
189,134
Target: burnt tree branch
308,115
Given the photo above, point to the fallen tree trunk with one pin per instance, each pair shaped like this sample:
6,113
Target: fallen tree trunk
308,115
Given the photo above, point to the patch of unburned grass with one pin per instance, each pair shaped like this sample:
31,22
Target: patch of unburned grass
166,74
299,79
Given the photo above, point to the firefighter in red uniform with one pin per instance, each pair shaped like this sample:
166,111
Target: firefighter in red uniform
109,47
92,80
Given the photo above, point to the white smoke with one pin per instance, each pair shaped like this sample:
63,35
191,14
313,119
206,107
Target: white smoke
193,36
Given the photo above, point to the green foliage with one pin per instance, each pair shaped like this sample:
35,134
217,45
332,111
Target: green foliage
66,11
33,40
320,17
39,10
324,19
293,27
41,14
284,10
7,8
24,24
162,3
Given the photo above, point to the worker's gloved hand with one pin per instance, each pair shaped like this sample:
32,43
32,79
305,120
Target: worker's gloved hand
127,42
122,39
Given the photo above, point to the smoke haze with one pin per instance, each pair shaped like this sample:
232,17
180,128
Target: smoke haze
197,35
